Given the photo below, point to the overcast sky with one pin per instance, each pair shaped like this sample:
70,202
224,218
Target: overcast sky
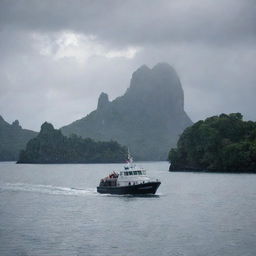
58,56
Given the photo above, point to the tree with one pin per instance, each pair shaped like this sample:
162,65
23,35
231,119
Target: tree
219,143
50,146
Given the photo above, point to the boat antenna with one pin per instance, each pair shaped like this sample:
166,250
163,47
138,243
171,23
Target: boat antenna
129,157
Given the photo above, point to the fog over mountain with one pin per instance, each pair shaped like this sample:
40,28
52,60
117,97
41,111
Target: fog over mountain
148,118
58,56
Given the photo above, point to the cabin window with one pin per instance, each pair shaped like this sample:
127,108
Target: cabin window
139,172
125,173
135,173
130,173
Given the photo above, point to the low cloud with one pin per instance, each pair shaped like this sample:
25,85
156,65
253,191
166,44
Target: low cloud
57,57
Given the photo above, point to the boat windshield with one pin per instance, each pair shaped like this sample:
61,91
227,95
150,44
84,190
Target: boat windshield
141,172
137,173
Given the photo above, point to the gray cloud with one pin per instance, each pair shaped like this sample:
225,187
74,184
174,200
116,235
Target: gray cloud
138,22
43,77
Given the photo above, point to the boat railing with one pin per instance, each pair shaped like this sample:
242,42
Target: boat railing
153,179
150,180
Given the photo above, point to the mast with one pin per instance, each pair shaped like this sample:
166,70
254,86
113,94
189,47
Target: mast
129,160
129,157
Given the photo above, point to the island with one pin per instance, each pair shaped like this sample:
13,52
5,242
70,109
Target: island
51,146
223,143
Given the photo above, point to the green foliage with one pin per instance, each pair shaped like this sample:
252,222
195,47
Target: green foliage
50,146
219,143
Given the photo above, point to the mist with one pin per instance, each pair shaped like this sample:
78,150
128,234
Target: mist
56,58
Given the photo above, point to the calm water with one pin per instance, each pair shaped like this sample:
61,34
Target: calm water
55,210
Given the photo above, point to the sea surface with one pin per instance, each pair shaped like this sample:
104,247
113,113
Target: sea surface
55,210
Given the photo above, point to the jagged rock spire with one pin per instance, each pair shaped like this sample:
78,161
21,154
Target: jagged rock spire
102,101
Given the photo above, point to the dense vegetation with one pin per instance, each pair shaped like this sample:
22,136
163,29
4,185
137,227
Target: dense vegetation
220,143
13,139
50,146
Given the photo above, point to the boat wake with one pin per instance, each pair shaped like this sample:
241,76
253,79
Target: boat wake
46,189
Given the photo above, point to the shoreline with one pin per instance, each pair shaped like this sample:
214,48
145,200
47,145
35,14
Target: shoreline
210,171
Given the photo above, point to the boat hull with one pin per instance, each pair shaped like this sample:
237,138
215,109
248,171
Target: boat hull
140,189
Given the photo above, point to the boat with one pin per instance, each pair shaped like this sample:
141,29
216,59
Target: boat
131,180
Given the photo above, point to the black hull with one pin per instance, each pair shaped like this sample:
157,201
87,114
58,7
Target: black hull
140,189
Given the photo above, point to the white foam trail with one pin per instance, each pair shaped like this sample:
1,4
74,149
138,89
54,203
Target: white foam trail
46,189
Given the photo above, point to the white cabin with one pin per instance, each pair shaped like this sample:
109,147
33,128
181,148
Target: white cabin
131,175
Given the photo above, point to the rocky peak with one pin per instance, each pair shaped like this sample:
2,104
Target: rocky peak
13,139
1,119
102,101
166,74
140,77
46,128
16,124
160,86
148,118
3,123
163,66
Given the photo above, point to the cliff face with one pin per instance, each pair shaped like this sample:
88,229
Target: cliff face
148,118
13,139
